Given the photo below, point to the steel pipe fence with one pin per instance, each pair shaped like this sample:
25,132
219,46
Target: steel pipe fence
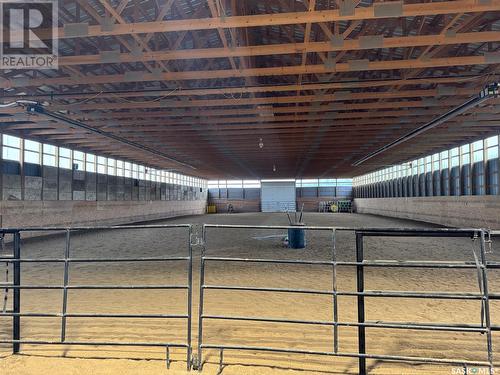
481,265
16,286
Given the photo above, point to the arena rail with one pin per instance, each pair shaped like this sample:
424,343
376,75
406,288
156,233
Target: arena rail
16,260
480,264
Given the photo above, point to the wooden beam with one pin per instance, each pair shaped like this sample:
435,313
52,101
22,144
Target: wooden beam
256,72
287,48
360,13
338,96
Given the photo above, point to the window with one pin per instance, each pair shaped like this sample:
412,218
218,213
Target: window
111,167
142,172
32,152
435,162
79,160
90,163
414,167
11,149
135,171
492,147
309,182
128,169
234,183
428,161
455,158
344,182
465,150
119,168
327,182
65,158
477,151
101,165
249,184
421,166
50,155
444,159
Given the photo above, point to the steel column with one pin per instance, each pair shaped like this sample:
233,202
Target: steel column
335,297
200,306
486,304
16,292
65,285
189,297
360,282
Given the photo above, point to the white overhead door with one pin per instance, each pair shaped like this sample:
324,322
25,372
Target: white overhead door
278,196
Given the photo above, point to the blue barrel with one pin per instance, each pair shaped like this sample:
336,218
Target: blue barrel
297,237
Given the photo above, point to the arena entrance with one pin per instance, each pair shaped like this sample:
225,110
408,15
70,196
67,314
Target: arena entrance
278,196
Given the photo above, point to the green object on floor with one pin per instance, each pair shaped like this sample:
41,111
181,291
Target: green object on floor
344,206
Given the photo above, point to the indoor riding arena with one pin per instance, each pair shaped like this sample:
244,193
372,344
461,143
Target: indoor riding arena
249,187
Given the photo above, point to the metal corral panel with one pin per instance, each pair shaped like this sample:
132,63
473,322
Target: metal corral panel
278,196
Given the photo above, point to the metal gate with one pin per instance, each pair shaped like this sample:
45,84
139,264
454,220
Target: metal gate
483,295
16,286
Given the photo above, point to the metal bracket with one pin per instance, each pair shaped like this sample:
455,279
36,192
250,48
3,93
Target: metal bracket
489,242
167,354
491,90
196,238
194,363
221,362
198,241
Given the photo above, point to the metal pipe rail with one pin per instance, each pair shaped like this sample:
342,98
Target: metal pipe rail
16,260
361,293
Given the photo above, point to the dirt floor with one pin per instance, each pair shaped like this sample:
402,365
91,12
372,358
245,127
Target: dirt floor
68,360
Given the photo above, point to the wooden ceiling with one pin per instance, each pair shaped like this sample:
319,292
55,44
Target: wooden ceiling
321,84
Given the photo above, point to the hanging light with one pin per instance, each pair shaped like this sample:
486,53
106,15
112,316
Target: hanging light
261,143
274,167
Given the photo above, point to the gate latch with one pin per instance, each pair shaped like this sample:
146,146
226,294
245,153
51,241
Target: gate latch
195,238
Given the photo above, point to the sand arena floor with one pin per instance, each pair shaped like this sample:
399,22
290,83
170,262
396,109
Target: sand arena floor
67,360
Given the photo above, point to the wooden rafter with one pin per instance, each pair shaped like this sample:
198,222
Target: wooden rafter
204,81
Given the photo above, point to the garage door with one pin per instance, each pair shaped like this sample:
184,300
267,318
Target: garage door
278,196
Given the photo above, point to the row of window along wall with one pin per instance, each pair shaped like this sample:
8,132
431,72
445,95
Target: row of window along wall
32,171
471,169
313,182
328,188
